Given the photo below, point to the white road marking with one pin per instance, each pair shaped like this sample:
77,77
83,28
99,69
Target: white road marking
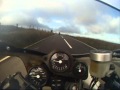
3,59
62,37
83,43
87,45
68,44
37,42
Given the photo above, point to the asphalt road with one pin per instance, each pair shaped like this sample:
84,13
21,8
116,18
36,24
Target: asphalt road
61,42
47,45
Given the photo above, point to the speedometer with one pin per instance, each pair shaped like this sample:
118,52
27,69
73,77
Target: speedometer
60,62
38,76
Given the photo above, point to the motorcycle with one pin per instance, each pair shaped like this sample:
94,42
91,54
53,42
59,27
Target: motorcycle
58,70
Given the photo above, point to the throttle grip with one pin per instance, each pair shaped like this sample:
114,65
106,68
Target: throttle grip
112,82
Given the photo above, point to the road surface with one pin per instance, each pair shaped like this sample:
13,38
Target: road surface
61,42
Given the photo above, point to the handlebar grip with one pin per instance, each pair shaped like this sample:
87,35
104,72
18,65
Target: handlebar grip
112,82
116,85
116,53
113,85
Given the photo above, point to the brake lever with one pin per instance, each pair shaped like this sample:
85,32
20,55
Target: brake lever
12,83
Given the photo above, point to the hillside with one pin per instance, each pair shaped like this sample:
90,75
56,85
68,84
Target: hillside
21,37
99,44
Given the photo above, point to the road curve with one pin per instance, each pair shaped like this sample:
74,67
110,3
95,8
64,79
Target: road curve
61,42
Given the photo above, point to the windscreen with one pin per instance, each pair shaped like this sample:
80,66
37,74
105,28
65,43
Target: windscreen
76,26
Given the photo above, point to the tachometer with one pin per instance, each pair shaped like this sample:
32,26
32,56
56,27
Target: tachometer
37,76
80,70
60,62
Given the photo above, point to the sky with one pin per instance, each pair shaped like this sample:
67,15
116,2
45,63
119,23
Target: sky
86,18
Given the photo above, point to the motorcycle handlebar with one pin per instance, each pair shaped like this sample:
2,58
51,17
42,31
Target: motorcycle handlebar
112,82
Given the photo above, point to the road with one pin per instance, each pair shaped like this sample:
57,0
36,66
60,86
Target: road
61,42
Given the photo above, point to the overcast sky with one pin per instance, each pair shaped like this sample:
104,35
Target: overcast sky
87,18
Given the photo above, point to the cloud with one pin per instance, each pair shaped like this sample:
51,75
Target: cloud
69,16
108,24
69,29
86,12
0,2
114,25
21,19
52,6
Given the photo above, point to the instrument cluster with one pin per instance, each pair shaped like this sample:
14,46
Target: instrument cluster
58,64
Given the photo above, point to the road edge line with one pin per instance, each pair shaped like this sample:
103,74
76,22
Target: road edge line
68,44
6,57
37,42
83,43
3,59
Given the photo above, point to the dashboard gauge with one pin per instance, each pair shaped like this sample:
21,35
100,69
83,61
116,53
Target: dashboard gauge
37,76
80,70
60,62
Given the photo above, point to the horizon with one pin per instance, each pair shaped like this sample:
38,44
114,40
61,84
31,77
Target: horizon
75,35
76,17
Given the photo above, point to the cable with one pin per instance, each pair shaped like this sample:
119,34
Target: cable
96,79
93,82
93,78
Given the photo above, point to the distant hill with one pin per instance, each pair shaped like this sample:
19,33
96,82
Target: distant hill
22,37
5,28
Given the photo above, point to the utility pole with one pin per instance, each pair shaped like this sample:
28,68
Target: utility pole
119,36
30,27
51,31
17,25
33,26
0,25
